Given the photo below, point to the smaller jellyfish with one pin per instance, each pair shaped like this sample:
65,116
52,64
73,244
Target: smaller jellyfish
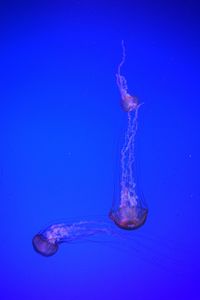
128,102
44,246
48,240
130,211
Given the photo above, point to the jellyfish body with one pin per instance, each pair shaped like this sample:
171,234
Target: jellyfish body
128,102
129,217
128,212
44,246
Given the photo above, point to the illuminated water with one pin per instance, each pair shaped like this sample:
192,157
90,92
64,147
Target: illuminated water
61,124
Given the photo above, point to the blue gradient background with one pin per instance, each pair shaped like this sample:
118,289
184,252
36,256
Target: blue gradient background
60,124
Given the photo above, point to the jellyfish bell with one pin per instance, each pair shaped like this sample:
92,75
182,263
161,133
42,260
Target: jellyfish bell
129,103
43,246
129,217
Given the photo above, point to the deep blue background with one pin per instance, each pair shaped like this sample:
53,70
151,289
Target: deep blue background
60,123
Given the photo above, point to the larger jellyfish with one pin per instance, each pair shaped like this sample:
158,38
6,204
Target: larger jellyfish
128,211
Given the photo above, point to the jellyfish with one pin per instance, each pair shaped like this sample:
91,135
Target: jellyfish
47,241
129,212
128,102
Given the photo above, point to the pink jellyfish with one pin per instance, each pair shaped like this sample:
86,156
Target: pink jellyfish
47,241
129,212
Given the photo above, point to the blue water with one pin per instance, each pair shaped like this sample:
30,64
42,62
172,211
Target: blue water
61,124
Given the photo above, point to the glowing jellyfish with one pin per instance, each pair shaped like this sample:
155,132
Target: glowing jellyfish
129,212
48,240
44,246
